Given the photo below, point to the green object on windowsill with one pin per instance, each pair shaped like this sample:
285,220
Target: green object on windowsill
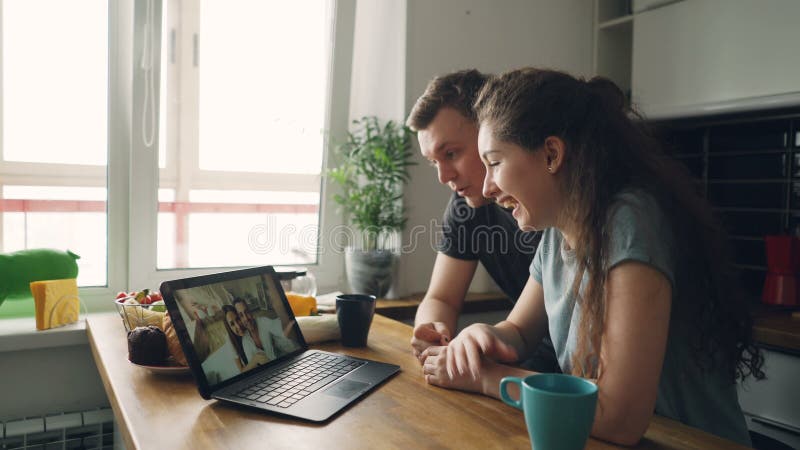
18,307
18,269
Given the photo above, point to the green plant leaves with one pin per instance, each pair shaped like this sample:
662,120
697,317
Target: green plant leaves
372,169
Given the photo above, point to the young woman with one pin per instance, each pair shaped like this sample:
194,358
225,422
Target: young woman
631,277
247,358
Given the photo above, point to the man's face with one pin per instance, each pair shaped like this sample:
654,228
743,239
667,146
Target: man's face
450,143
244,315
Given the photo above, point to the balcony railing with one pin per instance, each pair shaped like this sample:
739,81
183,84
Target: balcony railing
181,210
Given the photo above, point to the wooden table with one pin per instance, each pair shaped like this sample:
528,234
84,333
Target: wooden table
777,328
166,412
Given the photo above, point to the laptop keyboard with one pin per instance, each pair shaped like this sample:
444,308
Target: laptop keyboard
292,383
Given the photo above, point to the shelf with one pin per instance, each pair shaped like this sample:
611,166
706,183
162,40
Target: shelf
619,21
750,267
745,238
777,326
406,308
718,153
21,334
614,49
747,180
765,102
610,10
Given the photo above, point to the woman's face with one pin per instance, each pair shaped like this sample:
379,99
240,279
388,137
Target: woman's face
233,323
518,178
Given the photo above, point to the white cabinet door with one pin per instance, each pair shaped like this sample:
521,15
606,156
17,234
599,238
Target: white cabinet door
775,399
692,56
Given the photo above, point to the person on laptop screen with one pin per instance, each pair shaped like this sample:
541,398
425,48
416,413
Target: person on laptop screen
193,320
257,354
244,326
264,333
248,356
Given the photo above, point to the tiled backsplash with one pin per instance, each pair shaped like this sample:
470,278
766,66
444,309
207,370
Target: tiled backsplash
749,167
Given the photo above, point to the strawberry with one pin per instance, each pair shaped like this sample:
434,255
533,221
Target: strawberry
143,298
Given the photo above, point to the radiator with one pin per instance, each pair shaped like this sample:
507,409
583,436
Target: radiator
92,429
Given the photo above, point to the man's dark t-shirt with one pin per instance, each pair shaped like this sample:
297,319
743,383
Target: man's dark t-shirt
490,234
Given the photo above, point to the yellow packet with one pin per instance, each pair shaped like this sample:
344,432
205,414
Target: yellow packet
302,305
56,302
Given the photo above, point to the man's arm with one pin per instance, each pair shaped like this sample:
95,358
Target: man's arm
438,312
282,343
271,332
475,349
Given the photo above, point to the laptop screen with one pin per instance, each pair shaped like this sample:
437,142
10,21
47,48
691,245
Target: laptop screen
235,323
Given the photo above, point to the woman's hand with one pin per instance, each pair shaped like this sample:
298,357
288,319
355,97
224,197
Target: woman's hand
436,372
428,334
474,344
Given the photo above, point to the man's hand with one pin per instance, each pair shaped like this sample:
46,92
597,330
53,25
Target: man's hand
473,345
428,334
259,358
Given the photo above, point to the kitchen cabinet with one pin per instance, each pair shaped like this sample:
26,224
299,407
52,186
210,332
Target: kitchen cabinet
701,57
770,405
613,36
749,167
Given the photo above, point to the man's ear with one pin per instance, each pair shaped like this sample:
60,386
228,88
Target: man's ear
554,152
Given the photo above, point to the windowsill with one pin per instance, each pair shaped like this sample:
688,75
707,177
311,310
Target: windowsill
21,334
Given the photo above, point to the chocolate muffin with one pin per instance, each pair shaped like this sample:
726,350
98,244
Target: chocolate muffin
147,346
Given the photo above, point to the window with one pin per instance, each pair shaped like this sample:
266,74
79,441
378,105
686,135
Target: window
231,176
245,87
54,139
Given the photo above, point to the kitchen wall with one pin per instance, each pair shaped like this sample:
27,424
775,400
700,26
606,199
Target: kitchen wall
49,380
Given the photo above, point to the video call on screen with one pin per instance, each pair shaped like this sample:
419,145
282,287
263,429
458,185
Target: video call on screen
236,325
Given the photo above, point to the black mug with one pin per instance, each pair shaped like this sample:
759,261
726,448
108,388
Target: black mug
354,312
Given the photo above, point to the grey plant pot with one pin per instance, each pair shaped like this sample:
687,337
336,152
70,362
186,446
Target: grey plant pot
370,272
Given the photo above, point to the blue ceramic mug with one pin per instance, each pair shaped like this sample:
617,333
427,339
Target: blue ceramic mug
559,409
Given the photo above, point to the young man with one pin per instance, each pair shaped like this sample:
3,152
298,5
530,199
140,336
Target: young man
475,229
265,332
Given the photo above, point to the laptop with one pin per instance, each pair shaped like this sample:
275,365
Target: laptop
244,346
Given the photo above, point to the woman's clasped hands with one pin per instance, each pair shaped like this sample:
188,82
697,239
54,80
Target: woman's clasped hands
463,362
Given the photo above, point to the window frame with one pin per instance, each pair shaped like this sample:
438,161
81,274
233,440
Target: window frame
55,174
143,219
133,175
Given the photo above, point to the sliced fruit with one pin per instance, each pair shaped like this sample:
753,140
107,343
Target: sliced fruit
158,306
142,297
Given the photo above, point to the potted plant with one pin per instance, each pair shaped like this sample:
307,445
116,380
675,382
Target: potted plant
372,170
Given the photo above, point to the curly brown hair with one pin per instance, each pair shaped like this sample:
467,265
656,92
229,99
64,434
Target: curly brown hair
611,149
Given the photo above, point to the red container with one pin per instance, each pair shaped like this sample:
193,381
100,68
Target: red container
782,284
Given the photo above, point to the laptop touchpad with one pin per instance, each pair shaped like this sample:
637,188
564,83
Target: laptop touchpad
346,388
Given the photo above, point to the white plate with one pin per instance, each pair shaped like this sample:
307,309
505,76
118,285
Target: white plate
169,369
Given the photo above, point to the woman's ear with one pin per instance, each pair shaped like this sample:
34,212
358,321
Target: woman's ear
554,150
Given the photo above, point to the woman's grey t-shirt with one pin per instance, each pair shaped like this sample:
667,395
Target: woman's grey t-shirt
639,231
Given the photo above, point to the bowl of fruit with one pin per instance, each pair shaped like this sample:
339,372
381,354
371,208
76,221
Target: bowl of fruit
140,309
